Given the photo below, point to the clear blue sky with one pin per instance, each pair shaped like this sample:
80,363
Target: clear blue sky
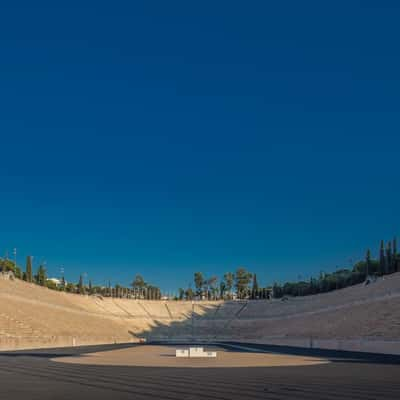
165,137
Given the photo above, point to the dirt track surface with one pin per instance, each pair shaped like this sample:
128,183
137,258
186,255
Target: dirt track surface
164,356
34,375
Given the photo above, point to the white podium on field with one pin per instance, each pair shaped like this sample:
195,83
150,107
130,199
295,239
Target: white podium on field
182,353
195,352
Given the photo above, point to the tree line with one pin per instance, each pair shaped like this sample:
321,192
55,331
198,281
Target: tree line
139,289
240,284
244,285
362,271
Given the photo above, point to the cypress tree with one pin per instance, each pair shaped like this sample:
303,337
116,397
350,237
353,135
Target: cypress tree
254,292
41,276
90,287
29,269
199,283
81,289
368,263
394,255
388,260
382,259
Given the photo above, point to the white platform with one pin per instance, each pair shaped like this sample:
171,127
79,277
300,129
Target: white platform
195,352
182,353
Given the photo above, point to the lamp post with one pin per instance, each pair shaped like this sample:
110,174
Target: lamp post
62,279
15,261
337,277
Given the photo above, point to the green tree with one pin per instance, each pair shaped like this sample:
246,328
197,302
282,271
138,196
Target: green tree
138,282
222,289
81,288
181,294
139,285
7,265
360,268
212,287
255,288
70,288
17,272
229,281
41,276
382,259
242,281
90,287
189,294
368,263
28,269
388,259
198,283
62,284
277,291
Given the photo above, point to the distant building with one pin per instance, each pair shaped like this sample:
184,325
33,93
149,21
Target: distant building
56,281
7,275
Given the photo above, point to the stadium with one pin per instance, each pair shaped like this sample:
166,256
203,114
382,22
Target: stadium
199,200
303,347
